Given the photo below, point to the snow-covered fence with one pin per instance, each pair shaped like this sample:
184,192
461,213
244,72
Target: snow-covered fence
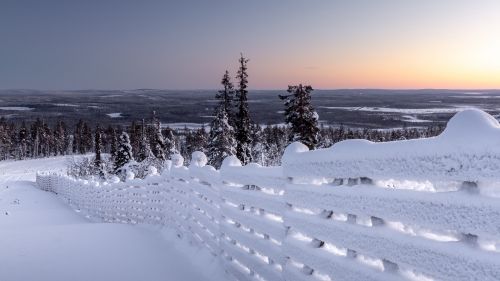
424,209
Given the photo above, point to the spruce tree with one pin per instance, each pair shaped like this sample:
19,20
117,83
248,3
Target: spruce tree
23,141
144,148
242,120
135,137
221,142
60,138
86,140
226,95
98,162
300,115
123,153
159,146
169,141
77,136
113,142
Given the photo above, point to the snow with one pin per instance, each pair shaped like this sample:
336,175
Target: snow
42,238
110,96
475,97
422,214
471,136
400,110
414,119
66,105
16,108
115,115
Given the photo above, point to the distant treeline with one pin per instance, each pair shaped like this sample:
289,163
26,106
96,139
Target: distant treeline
38,140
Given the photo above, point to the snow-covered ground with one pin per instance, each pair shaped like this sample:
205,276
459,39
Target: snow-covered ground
41,238
115,115
16,108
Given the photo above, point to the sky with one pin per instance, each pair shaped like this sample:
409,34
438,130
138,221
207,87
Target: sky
188,44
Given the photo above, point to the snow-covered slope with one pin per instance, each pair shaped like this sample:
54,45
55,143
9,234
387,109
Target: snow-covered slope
43,239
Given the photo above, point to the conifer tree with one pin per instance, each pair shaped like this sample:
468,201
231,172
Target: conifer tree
170,141
221,142
135,137
23,141
98,162
300,115
159,146
60,138
242,120
144,148
123,153
226,95
113,142
86,139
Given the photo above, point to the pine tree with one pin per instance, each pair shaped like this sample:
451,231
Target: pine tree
226,95
222,142
300,115
60,138
144,148
159,146
135,137
123,153
23,141
36,129
113,143
258,145
200,140
170,142
86,139
77,138
98,162
242,120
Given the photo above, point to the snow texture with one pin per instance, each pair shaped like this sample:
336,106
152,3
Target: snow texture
42,239
327,214
468,150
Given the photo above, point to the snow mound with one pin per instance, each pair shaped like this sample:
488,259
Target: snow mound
468,149
471,123
198,159
231,161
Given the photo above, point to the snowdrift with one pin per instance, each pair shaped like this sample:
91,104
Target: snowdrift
468,149
405,210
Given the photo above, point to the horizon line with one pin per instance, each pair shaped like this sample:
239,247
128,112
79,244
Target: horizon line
254,89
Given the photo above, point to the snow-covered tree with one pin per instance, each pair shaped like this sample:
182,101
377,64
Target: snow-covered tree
194,140
258,145
169,141
61,139
123,153
23,141
135,137
242,120
144,149
87,140
221,141
300,115
226,95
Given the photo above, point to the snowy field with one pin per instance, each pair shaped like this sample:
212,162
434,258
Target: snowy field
42,239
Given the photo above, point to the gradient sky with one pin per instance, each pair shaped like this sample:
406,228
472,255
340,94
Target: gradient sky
128,44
